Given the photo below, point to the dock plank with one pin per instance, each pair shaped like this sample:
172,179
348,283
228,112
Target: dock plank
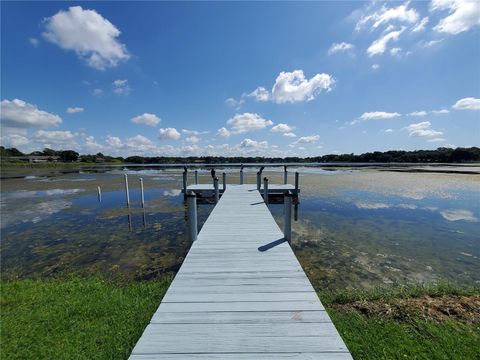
230,300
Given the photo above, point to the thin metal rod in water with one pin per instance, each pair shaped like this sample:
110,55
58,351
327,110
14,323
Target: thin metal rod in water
287,224
192,215
241,177
258,180
141,193
99,191
196,177
296,182
126,191
285,175
185,183
265,190
215,186
224,178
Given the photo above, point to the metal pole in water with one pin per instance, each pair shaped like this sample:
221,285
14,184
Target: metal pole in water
265,190
196,177
141,193
296,182
224,176
215,186
285,174
99,191
185,183
241,177
287,225
126,191
258,180
192,215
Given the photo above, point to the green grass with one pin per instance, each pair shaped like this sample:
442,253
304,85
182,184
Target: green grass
75,318
374,337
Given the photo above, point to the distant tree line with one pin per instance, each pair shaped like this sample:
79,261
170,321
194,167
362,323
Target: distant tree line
440,155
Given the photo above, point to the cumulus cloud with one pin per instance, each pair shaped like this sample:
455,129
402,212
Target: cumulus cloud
294,87
389,130
97,92
237,104
114,141
422,129
14,140
458,214
420,26
441,111
146,119
375,115
436,140
469,103
249,143
418,113
54,137
74,110
395,51
192,139
34,41
340,47
375,67
121,87
246,122
20,114
169,134
193,132
385,15
223,132
463,15
290,134
380,45
307,139
282,128
89,34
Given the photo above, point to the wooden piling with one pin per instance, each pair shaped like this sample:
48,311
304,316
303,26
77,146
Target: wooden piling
99,194
265,190
287,224
192,215
142,197
215,186
127,195
196,177
241,177
296,183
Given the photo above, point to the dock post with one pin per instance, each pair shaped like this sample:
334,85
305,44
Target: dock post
185,183
241,177
215,186
296,182
192,215
196,177
258,180
224,178
265,190
287,225
285,174
141,193
99,192
127,195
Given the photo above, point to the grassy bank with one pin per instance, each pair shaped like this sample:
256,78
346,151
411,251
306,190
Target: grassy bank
75,318
419,322
96,319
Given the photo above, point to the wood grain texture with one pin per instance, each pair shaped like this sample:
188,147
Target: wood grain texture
240,293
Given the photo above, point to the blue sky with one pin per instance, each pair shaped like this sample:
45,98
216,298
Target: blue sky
231,78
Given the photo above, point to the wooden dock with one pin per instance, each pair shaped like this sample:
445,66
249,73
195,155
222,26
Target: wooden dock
240,294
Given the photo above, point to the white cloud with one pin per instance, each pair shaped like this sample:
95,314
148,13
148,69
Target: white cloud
420,26
237,104
386,15
114,141
121,87
395,51
223,132
169,134
423,129
282,128
418,113
18,113
441,111
389,130
249,143
74,110
436,140
375,67
193,132
54,137
380,45
192,139
146,119
242,123
139,144
97,92
375,115
428,44
307,139
458,214
34,41
289,134
14,140
294,87
340,47
91,36
463,15
469,103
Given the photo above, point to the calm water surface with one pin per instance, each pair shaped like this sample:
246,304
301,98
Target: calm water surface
356,227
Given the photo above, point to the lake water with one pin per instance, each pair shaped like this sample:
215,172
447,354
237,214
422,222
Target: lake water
356,227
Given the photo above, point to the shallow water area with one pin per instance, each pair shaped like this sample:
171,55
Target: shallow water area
357,227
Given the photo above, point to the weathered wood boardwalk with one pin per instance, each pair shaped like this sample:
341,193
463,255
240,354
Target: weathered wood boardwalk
240,294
